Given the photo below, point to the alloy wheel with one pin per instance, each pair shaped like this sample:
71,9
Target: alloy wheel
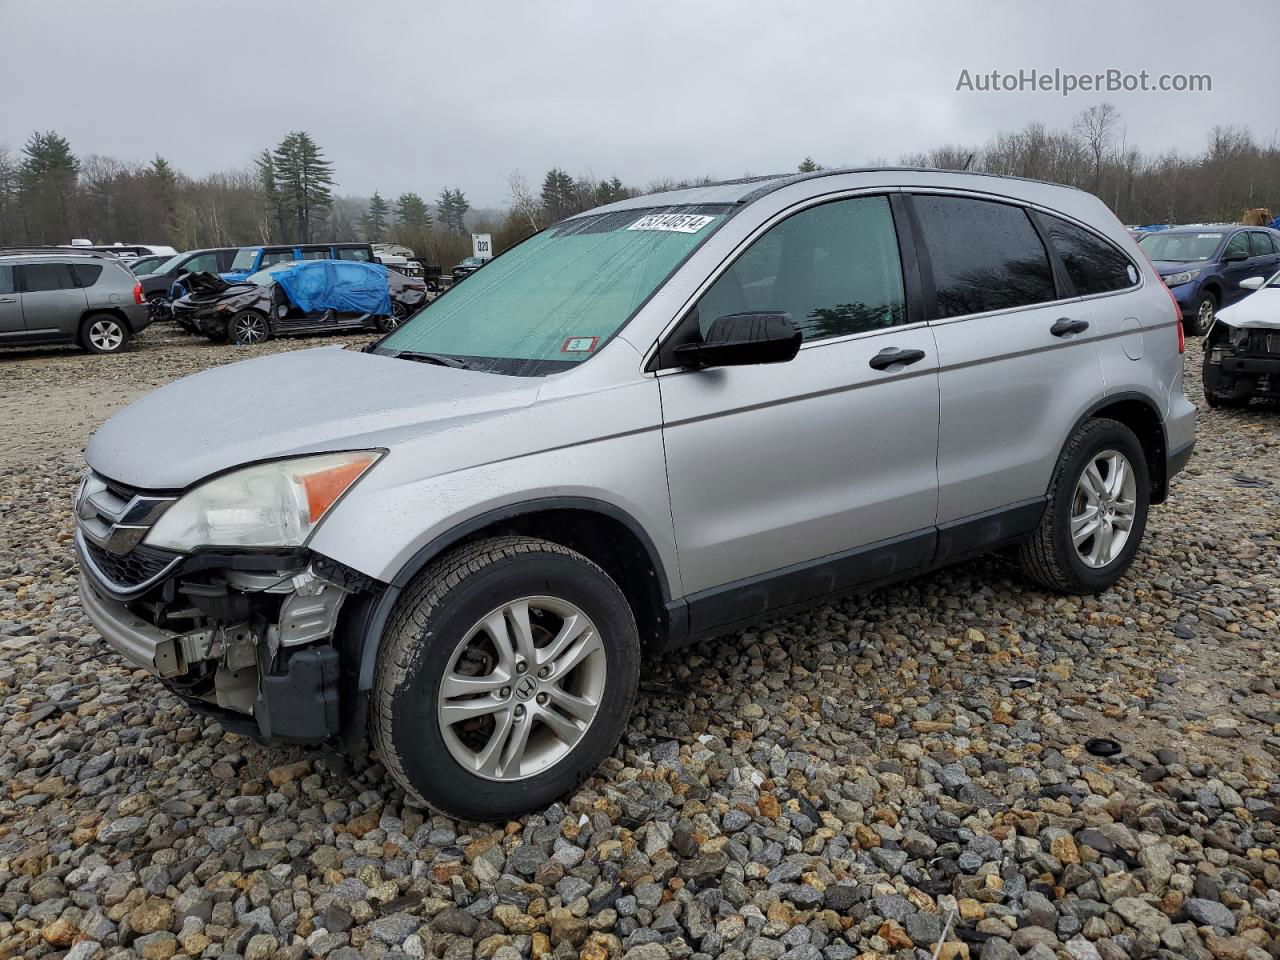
107,336
1103,508
1204,315
522,688
249,328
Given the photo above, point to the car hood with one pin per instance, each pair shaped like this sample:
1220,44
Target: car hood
1166,269
1258,311
307,401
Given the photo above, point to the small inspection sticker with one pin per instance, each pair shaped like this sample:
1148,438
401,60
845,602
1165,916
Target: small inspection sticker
672,222
579,345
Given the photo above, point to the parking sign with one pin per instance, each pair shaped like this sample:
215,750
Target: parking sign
481,245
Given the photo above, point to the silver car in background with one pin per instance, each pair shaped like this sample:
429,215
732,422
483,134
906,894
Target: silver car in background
50,296
656,421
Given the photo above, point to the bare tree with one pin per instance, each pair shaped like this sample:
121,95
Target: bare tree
523,202
1097,128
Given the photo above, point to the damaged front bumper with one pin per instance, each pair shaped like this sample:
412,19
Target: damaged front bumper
250,638
1241,362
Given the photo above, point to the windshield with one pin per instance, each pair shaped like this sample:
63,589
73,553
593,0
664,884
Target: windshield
167,265
1180,247
552,301
244,259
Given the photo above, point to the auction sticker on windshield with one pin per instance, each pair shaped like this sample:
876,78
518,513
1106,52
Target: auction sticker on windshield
579,344
672,222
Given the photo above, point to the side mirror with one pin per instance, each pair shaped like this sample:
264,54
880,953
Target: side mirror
1253,283
743,339
1235,257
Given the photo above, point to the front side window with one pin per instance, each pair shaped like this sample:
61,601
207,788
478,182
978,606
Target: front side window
985,255
244,259
834,269
6,280
46,276
1237,246
275,256
552,301
1093,265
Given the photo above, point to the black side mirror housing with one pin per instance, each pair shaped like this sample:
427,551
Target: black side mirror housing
743,339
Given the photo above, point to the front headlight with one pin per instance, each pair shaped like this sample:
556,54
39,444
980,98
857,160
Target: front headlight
1186,276
268,505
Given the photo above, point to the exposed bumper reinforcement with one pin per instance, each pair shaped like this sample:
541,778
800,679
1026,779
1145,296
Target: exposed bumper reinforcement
139,642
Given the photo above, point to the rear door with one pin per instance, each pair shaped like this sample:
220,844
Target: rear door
791,480
52,300
11,324
1018,363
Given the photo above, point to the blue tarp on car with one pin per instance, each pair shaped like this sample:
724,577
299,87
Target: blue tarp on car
347,286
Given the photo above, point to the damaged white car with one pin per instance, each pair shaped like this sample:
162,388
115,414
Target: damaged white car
1242,348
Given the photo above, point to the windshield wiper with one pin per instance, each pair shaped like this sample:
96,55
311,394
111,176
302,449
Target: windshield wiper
440,359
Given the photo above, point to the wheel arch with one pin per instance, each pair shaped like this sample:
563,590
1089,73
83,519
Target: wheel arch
600,531
1140,414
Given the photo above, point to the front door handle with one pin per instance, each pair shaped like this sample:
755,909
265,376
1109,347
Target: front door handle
8,300
893,356
1066,327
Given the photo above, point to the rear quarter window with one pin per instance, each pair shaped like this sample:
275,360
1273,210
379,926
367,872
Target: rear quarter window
1093,265
87,274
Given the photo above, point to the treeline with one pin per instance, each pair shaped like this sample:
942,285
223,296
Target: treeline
49,194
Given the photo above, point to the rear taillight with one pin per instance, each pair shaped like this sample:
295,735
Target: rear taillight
137,293
1177,310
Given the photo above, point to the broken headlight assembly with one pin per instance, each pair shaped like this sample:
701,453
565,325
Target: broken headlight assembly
275,504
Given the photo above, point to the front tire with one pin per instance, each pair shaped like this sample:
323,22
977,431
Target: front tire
247,328
505,676
104,333
1096,514
1198,324
398,314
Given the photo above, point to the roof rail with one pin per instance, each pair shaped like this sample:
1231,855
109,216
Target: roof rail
61,251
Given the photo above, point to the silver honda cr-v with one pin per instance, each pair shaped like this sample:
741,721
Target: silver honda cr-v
652,422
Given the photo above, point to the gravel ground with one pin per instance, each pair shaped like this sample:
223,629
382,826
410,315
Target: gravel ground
833,785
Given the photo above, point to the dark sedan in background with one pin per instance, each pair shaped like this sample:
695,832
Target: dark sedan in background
260,307
1204,264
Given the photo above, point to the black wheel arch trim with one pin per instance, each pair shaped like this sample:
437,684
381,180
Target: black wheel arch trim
1160,473
376,617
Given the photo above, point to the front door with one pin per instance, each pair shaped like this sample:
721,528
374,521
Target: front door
1233,271
792,480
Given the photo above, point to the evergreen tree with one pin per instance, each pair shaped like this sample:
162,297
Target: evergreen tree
375,223
272,225
610,191
164,183
8,198
46,186
412,212
452,209
557,194
303,178
808,166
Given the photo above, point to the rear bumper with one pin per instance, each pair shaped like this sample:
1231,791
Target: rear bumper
1177,460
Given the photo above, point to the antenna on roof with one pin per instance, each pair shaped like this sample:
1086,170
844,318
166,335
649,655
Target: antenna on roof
968,161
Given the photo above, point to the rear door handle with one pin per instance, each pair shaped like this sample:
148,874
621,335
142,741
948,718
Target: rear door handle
8,300
1065,327
893,356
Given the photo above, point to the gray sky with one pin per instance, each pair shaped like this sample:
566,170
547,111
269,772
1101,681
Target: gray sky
415,96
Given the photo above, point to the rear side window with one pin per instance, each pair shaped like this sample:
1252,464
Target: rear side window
201,263
6,280
274,256
833,268
985,256
46,276
1093,265
87,273
1260,244
354,253
315,254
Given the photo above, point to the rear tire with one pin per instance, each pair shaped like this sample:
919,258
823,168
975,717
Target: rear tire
398,314
488,728
103,333
1063,554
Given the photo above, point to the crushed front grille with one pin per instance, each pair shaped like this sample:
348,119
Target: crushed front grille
137,566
